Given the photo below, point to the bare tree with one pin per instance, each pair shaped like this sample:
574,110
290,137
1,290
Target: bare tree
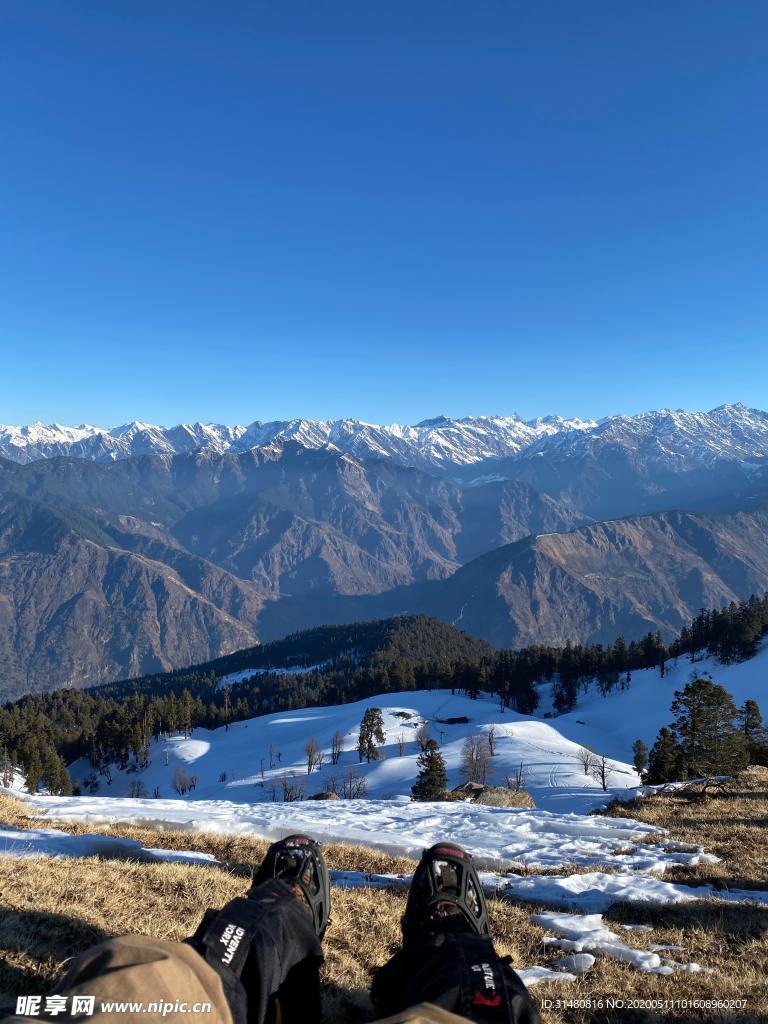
137,790
193,780
400,745
181,781
586,759
353,785
516,781
337,746
156,793
222,777
293,788
476,759
422,735
601,770
491,738
314,756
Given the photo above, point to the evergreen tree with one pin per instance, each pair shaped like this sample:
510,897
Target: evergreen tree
664,762
639,756
710,741
371,733
7,769
432,778
755,733
34,770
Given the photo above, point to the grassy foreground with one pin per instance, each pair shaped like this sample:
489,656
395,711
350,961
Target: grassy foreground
52,909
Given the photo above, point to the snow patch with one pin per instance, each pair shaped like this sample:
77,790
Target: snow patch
580,933
51,842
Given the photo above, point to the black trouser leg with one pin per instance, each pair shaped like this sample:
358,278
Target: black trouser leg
266,950
456,971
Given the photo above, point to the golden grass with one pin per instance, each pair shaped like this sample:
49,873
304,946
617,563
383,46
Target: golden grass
51,909
730,821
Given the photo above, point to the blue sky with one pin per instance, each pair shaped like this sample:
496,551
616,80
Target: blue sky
389,210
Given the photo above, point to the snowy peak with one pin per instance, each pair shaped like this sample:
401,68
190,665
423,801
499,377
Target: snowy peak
682,439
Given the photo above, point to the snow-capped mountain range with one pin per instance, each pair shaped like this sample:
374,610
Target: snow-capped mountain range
730,432
431,443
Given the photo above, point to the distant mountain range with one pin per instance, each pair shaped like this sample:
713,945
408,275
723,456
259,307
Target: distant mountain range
681,439
432,443
142,549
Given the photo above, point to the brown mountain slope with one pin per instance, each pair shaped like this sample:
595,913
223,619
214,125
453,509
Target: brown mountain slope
109,571
291,520
625,577
76,611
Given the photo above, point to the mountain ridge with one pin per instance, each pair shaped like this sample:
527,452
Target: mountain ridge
437,443
625,576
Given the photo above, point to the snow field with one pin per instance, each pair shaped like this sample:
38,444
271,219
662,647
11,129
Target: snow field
497,837
553,774
51,842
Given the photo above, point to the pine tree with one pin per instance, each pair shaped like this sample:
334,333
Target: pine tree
33,772
371,733
639,756
755,733
432,779
710,741
664,763
63,780
7,769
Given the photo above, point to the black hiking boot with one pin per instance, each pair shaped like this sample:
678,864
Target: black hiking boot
298,861
445,895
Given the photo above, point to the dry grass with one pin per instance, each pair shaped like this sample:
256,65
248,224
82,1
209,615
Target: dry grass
730,821
490,796
51,909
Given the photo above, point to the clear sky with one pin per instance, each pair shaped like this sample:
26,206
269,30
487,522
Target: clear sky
386,209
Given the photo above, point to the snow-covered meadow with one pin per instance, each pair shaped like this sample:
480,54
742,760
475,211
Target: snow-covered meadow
234,764
244,763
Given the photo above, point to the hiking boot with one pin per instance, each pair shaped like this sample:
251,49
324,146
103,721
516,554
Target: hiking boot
298,861
445,895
